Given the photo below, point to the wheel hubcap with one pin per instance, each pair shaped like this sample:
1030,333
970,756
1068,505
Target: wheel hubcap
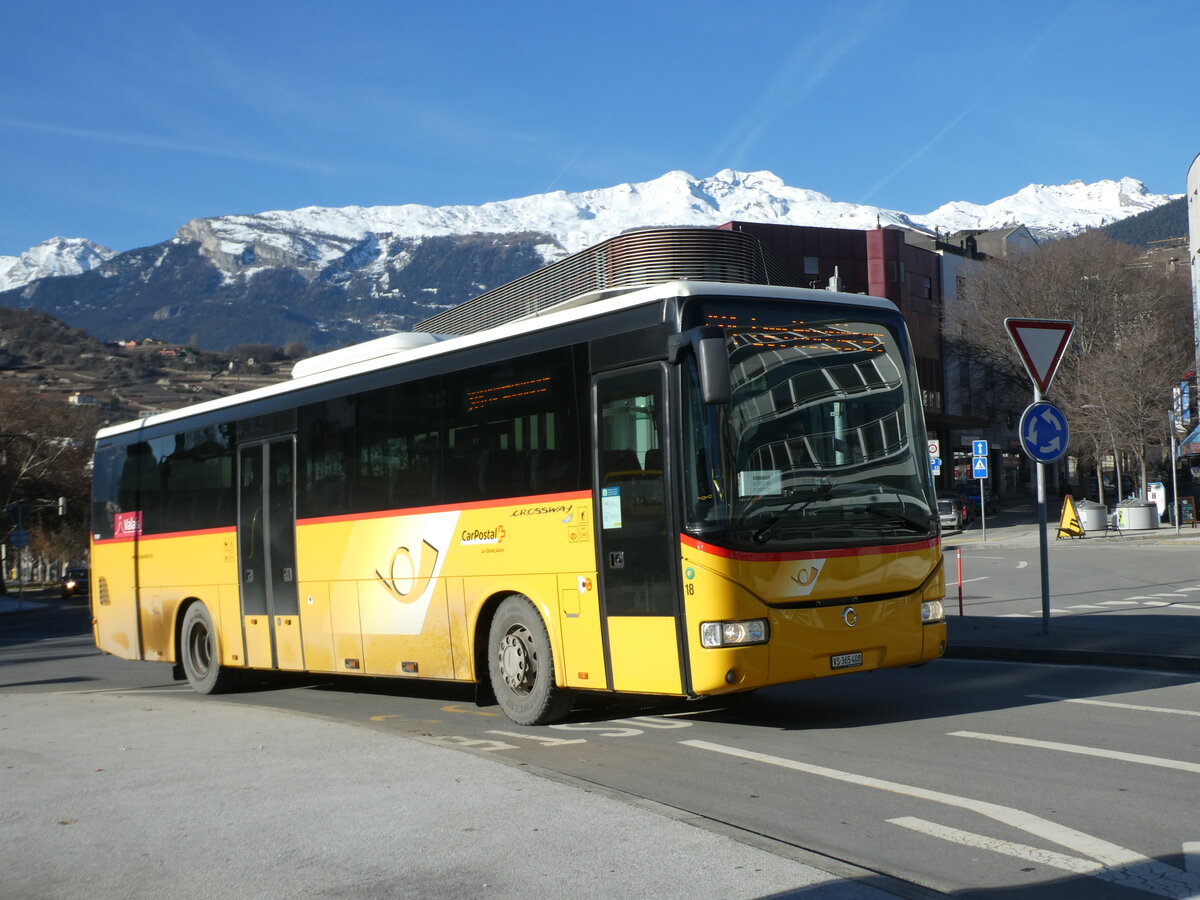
201,649
518,662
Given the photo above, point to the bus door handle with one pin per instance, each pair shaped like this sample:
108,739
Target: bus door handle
287,575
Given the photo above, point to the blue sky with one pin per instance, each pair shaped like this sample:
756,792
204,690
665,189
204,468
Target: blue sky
119,121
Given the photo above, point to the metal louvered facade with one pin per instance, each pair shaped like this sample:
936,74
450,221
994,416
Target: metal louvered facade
629,261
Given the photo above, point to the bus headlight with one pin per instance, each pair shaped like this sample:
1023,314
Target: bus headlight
932,611
733,634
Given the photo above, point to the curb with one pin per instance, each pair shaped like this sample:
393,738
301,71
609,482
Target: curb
1068,656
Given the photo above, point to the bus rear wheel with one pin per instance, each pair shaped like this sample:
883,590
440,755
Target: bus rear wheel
521,665
198,654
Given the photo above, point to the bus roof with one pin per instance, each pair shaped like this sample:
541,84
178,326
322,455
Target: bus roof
404,347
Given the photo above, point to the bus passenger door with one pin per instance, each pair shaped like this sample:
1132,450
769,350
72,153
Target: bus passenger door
267,554
637,546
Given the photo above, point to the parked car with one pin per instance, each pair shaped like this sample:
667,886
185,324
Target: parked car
965,510
76,583
950,512
991,503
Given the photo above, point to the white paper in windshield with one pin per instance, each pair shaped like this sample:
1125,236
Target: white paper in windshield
757,482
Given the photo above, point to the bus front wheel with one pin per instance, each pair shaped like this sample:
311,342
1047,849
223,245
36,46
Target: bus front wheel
521,665
198,653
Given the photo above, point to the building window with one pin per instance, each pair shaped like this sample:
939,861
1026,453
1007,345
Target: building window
812,265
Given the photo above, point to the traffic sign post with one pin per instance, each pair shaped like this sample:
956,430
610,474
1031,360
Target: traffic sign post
979,469
1041,343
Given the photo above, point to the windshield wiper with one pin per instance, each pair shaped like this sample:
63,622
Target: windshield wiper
897,518
824,493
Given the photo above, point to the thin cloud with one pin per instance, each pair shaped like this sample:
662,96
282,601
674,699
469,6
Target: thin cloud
1000,78
798,76
155,142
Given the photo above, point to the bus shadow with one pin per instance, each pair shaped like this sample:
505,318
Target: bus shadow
933,691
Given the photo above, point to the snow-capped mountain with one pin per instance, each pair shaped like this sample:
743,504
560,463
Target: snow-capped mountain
1053,211
364,239
55,257
316,237
326,277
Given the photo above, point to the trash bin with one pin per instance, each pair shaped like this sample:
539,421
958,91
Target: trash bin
1137,514
1092,516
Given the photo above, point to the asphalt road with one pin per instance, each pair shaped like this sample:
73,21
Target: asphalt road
975,779
1148,585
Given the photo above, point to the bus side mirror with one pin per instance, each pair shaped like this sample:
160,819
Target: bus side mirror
712,360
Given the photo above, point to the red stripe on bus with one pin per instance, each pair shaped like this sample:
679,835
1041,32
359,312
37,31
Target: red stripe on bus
125,539
450,507
746,556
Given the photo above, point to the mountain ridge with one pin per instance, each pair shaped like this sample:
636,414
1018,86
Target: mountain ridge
328,276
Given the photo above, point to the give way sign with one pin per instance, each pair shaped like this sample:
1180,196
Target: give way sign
1040,344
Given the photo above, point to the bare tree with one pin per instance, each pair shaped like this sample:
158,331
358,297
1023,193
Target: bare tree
1131,345
44,452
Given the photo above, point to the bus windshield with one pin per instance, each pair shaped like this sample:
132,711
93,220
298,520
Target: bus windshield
822,444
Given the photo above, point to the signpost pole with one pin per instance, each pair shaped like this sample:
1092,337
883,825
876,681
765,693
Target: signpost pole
1043,547
982,511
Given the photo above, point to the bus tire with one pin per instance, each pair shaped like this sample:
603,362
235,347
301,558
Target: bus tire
198,654
521,665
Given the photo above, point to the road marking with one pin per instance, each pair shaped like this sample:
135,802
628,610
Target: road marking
969,580
1134,706
1152,875
476,743
1156,603
470,712
1159,761
1009,848
1191,856
1016,616
1120,603
1128,877
1172,594
1086,606
539,738
1022,564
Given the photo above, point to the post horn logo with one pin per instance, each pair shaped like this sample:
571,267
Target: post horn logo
804,578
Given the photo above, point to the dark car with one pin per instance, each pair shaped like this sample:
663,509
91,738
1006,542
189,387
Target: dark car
76,583
991,503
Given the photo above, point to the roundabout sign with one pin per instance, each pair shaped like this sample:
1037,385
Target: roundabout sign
1044,431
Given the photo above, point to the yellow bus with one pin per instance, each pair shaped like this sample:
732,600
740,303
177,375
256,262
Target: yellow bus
688,489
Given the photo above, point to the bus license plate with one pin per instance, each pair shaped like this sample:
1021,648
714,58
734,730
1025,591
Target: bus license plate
846,661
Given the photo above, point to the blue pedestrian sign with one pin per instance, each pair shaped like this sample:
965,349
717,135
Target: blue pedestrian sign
1044,431
979,467
936,464
979,448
